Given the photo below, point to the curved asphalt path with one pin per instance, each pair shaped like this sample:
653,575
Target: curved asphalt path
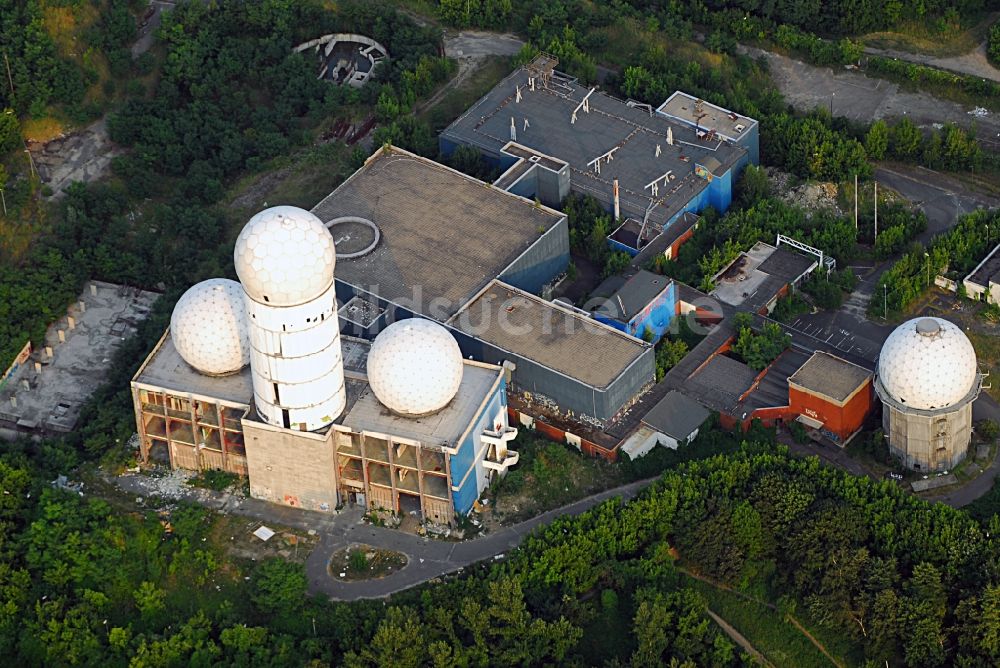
427,558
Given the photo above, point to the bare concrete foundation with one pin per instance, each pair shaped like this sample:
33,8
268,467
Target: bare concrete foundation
46,392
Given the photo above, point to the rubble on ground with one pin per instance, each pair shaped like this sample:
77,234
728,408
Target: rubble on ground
811,196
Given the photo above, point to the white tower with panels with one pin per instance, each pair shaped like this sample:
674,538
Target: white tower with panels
285,259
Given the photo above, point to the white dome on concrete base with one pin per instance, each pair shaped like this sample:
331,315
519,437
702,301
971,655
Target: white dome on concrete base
284,256
415,367
209,327
927,364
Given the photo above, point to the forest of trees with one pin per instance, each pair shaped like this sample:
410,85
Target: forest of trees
840,17
230,97
908,582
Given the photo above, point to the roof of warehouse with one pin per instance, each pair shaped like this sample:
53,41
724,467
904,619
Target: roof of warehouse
830,376
444,235
706,115
676,415
445,427
555,337
165,369
725,380
634,134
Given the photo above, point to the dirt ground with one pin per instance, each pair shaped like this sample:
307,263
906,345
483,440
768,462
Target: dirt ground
235,534
378,563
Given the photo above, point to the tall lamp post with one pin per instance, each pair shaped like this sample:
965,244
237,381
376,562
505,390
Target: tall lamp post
928,256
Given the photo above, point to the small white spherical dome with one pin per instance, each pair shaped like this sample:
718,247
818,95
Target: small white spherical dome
415,367
209,327
927,363
284,256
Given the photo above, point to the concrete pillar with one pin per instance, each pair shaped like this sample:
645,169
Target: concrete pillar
93,289
48,351
38,367
71,322
62,336
83,306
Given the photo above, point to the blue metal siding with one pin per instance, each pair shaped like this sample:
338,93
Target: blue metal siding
465,496
720,191
465,459
619,246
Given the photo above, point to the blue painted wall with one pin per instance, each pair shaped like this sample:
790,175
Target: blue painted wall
720,191
547,258
465,459
619,246
657,316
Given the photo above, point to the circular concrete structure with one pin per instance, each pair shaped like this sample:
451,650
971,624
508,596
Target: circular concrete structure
353,236
927,379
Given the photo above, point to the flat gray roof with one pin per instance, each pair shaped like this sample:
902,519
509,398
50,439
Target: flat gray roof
555,337
676,415
830,376
52,398
725,378
166,370
633,134
445,235
443,428
706,115
986,271
756,276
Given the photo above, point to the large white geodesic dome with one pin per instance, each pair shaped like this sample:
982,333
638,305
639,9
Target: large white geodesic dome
415,367
927,363
284,256
209,327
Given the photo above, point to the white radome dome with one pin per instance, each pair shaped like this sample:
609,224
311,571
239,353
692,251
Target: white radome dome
284,256
209,327
927,363
415,367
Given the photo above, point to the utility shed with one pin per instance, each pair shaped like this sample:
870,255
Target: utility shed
676,419
563,357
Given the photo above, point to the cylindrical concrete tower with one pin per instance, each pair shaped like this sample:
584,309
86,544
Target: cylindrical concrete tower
927,379
285,259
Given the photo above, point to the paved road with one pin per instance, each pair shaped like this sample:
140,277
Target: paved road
854,95
147,33
975,63
941,197
428,558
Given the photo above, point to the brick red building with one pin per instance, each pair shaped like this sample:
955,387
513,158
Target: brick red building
831,395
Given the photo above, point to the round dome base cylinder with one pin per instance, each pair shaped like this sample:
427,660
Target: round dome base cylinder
296,363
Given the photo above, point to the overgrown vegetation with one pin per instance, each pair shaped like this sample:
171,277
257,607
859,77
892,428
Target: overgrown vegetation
758,349
954,253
